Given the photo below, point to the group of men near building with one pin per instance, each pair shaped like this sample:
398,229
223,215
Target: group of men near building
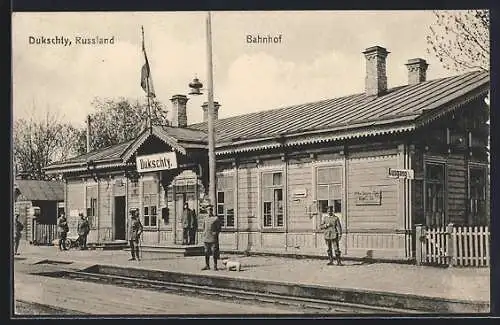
330,225
83,230
211,230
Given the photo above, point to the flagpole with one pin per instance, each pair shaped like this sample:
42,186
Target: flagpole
211,131
148,121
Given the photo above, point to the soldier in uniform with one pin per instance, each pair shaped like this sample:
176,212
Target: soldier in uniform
134,234
211,230
63,228
187,224
18,229
83,231
333,232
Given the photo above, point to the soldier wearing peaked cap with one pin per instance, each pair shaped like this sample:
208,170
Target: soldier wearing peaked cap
134,234
333,233
83,231
211,230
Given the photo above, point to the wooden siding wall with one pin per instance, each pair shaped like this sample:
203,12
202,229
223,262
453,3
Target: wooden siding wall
302,223
75,202
418,187
456,189
375,230
456,185
23,208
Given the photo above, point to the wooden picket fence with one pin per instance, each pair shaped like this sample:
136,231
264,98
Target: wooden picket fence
44,234
453,245
471,246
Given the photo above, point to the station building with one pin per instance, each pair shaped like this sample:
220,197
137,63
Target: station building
386,159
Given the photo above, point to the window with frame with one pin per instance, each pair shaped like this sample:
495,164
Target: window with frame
150,205
91,206
225,198
272,199
434,194
329,188
477,196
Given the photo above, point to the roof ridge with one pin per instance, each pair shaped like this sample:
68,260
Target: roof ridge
277,109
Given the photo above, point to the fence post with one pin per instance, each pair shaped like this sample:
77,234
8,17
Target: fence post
419,233
450,253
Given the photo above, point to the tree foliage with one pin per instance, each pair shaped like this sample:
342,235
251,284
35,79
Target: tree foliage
461,39
119,120
39,142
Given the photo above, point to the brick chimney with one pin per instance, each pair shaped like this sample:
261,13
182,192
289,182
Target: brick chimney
376,75
179,114
205,111
417,71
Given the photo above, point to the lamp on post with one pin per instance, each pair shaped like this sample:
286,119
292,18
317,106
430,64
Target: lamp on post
196,86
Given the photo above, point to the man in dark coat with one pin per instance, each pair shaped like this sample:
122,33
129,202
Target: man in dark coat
83,231
211,230
193,225
188,219
63,228
333,233
18,231
134,234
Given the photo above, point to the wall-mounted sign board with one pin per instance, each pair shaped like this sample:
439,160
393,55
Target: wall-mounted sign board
368,197
157,161
401,173
299,193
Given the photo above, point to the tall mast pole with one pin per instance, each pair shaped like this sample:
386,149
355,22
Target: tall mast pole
148,122
211,131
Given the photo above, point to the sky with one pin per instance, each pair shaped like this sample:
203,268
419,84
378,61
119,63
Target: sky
320,56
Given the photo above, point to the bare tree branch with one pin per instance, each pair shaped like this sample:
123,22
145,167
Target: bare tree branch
460,39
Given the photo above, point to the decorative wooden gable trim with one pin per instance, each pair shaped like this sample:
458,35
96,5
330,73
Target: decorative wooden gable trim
434,114
315,137
167,139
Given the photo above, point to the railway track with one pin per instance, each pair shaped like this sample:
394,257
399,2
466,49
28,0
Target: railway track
305,305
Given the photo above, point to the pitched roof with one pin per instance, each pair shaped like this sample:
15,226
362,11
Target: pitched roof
177,136
36,190
399,108
106,153
401,103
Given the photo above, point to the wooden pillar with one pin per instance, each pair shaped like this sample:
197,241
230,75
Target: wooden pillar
285,198
235,202
345,194
419,247
98,211
314,202
112,207
158,210
450,239
126,207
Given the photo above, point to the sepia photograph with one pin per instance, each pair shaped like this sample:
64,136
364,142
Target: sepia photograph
251,163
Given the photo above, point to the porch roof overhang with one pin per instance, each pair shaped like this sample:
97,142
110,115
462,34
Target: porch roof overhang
121,159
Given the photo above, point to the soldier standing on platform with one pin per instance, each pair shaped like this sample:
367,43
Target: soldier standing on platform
187,221
193,227
62,224
83,231
18,229
211,230
333,233
134,234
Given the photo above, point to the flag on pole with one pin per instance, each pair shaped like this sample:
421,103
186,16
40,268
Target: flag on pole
146,79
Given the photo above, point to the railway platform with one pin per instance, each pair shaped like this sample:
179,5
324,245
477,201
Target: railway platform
453,289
